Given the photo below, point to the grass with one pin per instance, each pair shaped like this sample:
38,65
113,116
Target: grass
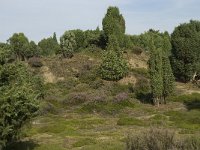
106,107
186,120
130,121
84,141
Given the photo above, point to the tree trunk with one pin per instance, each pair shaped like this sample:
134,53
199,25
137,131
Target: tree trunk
158,101
194,76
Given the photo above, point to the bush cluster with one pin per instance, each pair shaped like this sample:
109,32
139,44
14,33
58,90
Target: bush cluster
161,139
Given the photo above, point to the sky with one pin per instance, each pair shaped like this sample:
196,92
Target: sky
38,19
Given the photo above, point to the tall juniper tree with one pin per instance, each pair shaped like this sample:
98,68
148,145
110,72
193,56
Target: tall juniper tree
155,66
162,79
114,24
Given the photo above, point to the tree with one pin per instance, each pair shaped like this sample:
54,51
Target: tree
114,23
161,76
186,50
68,44
113,66
168,78
34,50
113,45
20,45
49,46
55,38
79,38
19,97
155,66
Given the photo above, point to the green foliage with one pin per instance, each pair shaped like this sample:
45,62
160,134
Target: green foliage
19,96
113,45
113,67
20,46
49,46
155,65
114,24
34,50
88,38
168,78
4,55
68,44
55,38
92,38
142,90
127,43
79,38
186,50
162,79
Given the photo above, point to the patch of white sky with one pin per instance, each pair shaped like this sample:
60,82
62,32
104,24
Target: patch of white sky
40,18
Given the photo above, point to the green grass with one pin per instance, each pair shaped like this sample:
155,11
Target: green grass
186,120
130,121
106,107
84,141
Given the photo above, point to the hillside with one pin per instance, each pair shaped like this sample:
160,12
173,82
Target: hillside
81,111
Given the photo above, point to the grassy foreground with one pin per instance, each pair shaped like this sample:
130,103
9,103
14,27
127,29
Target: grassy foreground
76,129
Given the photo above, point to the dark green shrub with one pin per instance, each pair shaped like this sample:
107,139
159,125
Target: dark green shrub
142,90
113,67
19,97
48,47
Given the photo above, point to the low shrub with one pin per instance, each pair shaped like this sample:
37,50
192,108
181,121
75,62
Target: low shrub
76,98
35,62
96,84
121,97
137,50
48,108
154,139
113,67
115,88
161,139
142,90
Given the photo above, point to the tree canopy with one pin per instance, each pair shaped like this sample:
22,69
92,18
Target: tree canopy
186,50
